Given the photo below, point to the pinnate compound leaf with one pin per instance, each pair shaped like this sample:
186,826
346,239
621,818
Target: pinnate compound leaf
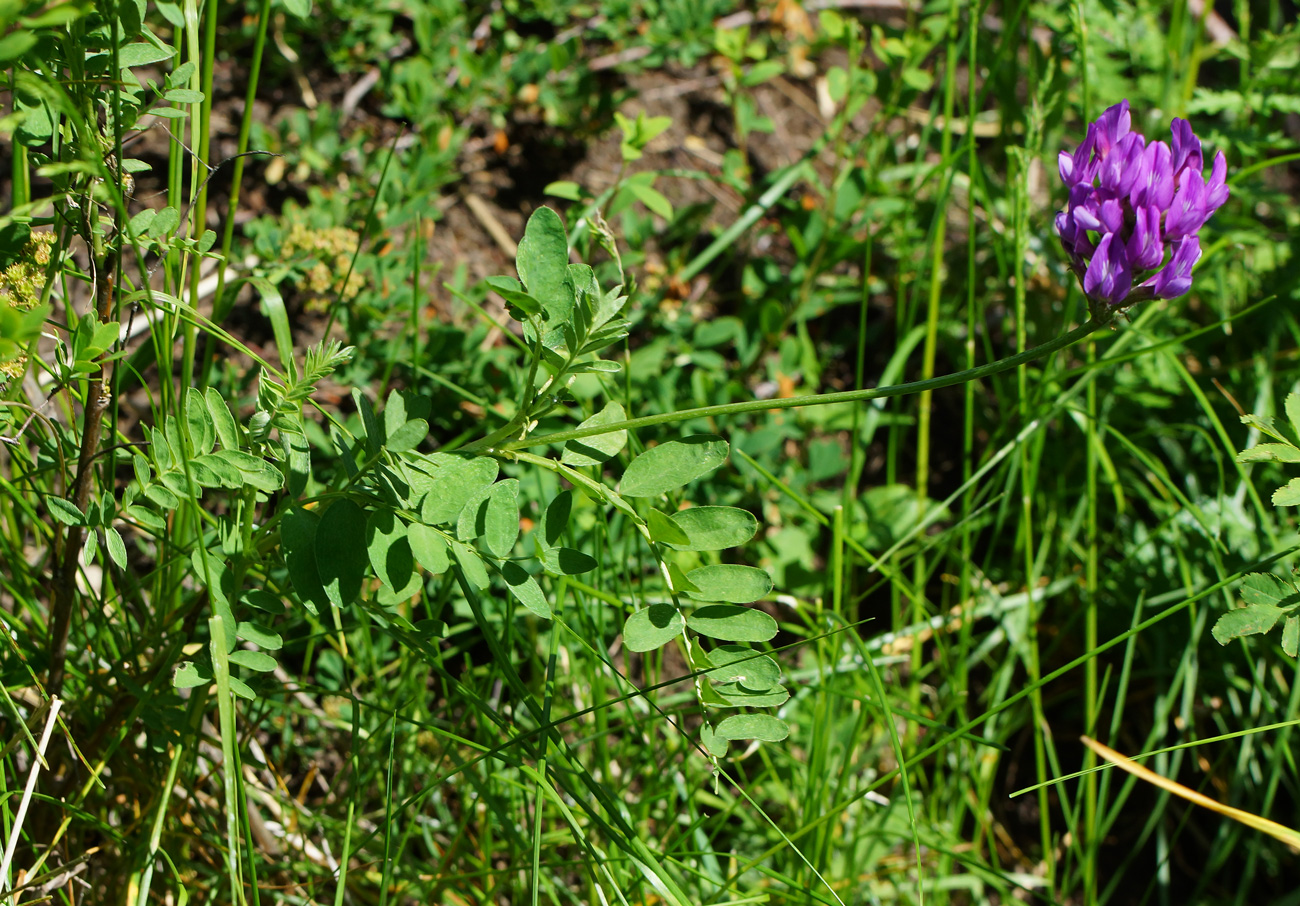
734,664
1253,619
592,451
671,465
388,548
732,623
1270,453
653,626
1288,495
341,551
525,589
763,727
732,583
429,548
714,528
1267,588
665,530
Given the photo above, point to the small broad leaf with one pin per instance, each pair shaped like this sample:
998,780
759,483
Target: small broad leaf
227,475
653,626
521,304
732,623
242,689
224,423
198,423
665,530
259,661
260,636
65,511
471,564
115,546
731,583
256,470
714,528
734,664
1288,495
408,436
141,54
189,674
501,518
673,464
452,481
388,548
714,744
341,551
543,264
763,727
429,548
592,451
525,589
1252,619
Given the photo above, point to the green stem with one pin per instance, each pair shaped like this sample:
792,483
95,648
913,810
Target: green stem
823,399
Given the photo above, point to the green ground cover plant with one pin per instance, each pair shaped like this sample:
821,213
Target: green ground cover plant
648,452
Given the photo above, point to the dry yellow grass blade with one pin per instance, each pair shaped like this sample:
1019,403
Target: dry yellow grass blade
1272,828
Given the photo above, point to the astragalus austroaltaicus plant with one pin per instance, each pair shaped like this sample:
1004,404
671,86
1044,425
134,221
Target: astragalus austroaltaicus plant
1135,209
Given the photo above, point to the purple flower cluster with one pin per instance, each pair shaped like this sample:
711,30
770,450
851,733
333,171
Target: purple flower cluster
1135,209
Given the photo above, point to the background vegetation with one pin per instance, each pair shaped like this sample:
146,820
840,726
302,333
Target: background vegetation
329,618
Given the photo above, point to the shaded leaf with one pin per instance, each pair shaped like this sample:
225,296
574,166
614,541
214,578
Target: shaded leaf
341,551
594,450
259,661
471,565
653,626
388,549
734,695
453,481
525,589
566,561
734,664
501,517
260,636
189,674
556,518
198,422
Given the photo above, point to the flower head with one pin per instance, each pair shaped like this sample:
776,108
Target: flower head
1136,208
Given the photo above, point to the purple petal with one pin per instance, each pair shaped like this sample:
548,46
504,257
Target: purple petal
1111,127
1085,216
1122,166
1216,190
1188,211
1108,277
1155,184
1175,278
1145,249
1187,147
1111,216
